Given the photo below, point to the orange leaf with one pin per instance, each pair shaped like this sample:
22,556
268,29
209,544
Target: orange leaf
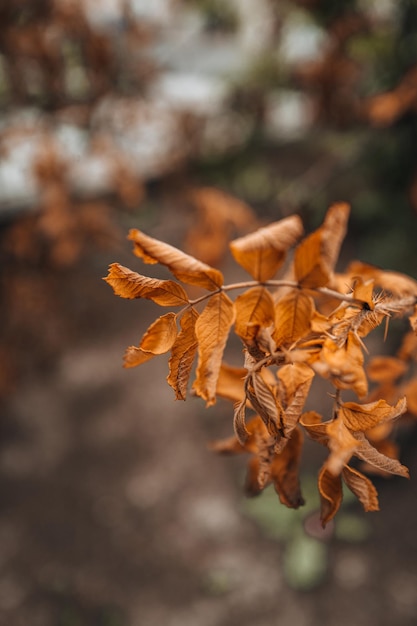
362,417
394,282
285,471
342,445
366,452
129,284
362,487
185,267
385,369
343,364
292,318
231,382
331,495
182,354
263,252
158,339
293,376
316,429
316,256
212,330
266,404
410,392
254,309
239,422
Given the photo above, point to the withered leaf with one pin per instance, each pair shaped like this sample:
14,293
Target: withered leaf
158,339
293,376
231,382
239,422
385,369
366,452
185,267
362,417
394,282
314,426
254,310
343,364
316,256
266,404
331,494
182,354
263,252
212,330
285,472
292,318
362,487
129,284
342,445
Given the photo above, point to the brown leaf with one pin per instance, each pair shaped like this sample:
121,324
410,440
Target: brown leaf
239,425
343,364
185,267
362,417
362,487
384,369
366,452
292,318
316,256
231,382
266,404
394,282
254,310
331,495
182,354
129,284
316,429
285,472
342,445
297,395
293,376
263,252
158,339
212,330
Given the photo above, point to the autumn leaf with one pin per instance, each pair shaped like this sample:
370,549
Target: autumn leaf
343,364
316,256
263,252
239,425
394,282
129,284
231,382
342,445
362,417
184,267
368,453
331,494
182,354
292,318
158,339
254,310
362,487
285,472
266,404
385,369
212,330
296,379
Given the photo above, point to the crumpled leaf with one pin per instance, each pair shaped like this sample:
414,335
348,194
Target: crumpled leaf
343,364
394,282
182,354
185,267
296,379
212,330
331,494
158,339
285,471
265,402
362,487
263,252
231,382
362,417
368,453
129,284
342,445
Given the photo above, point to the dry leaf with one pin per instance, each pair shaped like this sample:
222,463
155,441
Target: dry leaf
331,494
254,310
231,382
384,369
182,354
366,452
185,267
285,472
362,487
292,318
129,284
158,339
362,417
263,252
212,330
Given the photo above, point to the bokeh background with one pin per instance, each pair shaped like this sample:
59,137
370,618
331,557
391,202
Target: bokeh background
136,113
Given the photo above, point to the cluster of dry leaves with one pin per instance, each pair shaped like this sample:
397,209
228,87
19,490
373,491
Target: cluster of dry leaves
310,322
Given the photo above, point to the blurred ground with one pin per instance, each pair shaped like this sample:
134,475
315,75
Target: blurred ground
113,512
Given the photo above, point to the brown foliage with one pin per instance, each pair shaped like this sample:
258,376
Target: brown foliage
291,331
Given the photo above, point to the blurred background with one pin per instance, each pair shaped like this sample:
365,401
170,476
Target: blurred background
196,121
